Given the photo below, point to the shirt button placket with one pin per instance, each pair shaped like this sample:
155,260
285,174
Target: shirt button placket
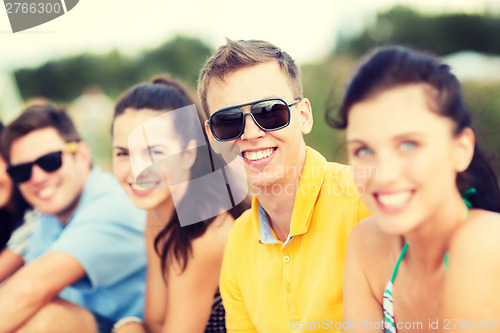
288,284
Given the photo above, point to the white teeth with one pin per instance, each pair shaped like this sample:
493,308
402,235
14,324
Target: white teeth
396,199
135,187
47,192
257,155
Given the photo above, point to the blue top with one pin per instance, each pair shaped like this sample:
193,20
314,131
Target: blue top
106,235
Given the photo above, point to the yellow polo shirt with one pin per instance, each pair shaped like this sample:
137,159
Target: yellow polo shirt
271,286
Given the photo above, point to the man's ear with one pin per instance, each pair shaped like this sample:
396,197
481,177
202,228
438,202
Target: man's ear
84,152
306,116
209,133
465,142
213,142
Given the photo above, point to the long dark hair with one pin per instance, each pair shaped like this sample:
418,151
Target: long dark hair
9,218
392,66
164,94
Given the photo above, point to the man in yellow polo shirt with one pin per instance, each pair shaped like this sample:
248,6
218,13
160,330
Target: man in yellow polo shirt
284,261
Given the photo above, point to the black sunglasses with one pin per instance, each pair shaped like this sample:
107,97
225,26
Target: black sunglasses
49,162
269,114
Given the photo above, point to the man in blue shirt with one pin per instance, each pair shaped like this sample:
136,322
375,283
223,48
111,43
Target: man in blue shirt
88,248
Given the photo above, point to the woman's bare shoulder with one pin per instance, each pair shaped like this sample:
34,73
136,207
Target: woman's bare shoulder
375,249
371,256
480,231
474,268
367,234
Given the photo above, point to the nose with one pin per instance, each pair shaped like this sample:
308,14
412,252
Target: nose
38,174
251,131
125,172
387,169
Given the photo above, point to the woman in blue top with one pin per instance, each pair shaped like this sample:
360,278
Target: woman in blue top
425,261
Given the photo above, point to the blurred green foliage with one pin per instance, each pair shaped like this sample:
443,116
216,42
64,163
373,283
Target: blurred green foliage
324,84
483,100
64,79
441,34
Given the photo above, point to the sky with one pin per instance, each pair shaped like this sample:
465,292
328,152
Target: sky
305,29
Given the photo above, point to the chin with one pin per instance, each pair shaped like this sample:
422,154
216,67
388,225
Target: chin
50,210
395,226
261,182
4,201
141,203
147,203
6,192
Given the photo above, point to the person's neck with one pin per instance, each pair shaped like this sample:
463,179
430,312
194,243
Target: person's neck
65,215
279,204
430,242
279,211
160,215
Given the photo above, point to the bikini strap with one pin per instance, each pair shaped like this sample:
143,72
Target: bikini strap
401,256
465,197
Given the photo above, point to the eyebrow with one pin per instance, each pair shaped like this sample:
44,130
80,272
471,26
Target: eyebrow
396,138
156,146
355,141
121,148
405,135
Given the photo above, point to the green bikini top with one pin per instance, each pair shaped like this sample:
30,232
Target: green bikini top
465,195
388,308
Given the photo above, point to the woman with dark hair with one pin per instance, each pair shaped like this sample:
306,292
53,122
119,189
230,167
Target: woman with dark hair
429,257
12,210
160,153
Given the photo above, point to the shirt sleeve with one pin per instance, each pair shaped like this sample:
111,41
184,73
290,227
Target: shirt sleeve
363,211
237,317
109,246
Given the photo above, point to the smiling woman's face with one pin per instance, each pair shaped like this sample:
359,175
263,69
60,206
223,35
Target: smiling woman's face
6,185
405,156
161,142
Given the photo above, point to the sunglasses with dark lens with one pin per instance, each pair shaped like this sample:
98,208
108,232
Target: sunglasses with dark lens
49,163
269,114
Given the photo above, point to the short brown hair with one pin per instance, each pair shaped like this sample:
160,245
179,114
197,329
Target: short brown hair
244,53
35,117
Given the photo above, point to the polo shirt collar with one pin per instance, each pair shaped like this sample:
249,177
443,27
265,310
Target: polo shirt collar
266,233
308,191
